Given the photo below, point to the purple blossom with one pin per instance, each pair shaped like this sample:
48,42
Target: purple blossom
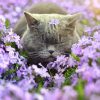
76,49
54,22
69,95
2,21
87,49
57,94
27,84
92,90
97,36
4,61
40,71
71,62
89,53
59,79
60,64
12,37
10,92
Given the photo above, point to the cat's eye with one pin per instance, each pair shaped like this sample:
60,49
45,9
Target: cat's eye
61,39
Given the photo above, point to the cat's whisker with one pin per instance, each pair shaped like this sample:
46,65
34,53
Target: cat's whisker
32,53
35,56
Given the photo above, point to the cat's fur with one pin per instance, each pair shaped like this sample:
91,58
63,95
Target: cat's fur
48,35
39,8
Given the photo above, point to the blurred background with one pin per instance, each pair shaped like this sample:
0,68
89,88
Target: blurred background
12,9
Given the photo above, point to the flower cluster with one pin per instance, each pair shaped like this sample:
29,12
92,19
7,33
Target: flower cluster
76,77
10,58
9,91
87,55
88,51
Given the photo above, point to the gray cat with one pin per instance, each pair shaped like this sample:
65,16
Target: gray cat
47,35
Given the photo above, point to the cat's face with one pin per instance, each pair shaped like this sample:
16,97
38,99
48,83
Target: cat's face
49,36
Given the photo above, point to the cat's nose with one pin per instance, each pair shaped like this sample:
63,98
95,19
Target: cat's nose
51,51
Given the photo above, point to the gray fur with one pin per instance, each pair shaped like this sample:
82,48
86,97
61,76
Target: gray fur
42,37
43,40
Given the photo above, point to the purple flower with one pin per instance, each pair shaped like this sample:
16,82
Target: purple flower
60,64
72,95
76,49
10,92
71,62
92,90
97,36
59,79
87,49
12,37
4,61
27,84
2,21
55,95
54,22
40,71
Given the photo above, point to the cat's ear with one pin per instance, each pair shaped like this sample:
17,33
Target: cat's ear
72,19
31,21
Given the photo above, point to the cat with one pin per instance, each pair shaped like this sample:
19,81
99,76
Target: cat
47,34
39,8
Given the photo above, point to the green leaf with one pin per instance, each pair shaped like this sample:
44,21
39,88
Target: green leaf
9,72
67,75
16,66
90,62
85,22
16,78
8,44
80,89
7,23
12,44
24,53
0,34
98,61
40,82
40,85
75,57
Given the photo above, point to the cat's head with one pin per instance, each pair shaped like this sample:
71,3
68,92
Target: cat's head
49,35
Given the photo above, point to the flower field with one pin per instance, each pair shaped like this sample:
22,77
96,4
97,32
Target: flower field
76,77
